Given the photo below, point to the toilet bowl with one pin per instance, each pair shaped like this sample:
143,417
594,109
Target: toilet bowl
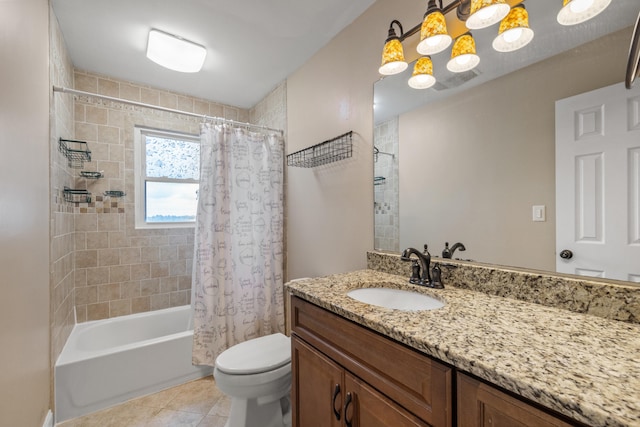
256,375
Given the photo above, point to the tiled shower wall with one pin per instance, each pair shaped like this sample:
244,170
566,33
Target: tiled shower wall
121,270
386,194
61,276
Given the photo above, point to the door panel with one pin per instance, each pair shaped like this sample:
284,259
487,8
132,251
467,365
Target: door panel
598,183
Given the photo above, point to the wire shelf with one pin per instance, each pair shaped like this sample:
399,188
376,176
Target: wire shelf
91,174
114,193
76,196
332,150
76,152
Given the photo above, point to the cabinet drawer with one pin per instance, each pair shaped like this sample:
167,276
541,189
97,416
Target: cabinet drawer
415,381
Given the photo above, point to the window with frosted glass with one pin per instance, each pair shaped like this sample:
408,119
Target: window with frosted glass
171,171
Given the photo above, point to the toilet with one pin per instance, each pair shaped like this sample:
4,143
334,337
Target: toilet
256,375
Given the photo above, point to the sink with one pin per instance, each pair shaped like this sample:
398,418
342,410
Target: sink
395,298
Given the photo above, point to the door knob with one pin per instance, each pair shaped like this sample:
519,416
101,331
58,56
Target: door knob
566,254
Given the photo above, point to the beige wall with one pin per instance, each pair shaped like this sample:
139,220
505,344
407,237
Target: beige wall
24,212
473,165
330,208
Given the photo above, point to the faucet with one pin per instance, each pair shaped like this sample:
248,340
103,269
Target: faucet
448,252
425,260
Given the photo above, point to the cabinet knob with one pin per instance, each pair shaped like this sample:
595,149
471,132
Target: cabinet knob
347,403
336,392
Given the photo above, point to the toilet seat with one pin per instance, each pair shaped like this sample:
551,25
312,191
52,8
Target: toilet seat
256,356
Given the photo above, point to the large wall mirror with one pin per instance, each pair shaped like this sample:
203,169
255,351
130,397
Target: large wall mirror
468,159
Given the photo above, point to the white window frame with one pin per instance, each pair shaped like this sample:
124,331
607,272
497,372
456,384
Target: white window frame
141,178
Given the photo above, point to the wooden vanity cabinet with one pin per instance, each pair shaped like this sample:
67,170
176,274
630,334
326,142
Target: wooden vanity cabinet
482,405
347,375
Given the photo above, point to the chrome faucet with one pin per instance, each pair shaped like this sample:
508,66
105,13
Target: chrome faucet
448,252
424,259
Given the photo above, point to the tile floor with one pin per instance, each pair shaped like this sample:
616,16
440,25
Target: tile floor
195,404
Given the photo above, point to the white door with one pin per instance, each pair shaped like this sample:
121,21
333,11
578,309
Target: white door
598,183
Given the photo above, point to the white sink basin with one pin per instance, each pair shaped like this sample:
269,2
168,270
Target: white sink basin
395,298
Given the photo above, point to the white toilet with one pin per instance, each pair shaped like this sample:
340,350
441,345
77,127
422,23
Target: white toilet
256,375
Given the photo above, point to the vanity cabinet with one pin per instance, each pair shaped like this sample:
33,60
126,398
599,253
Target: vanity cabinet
347,375
482,405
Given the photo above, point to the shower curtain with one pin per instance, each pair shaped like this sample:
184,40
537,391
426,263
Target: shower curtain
237,289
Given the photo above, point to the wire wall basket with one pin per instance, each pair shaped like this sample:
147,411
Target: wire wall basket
76,152
91,174
76,196
114,193
332,150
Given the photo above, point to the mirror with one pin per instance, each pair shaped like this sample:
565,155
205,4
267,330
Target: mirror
467,160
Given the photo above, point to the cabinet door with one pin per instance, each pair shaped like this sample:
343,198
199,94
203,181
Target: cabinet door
366,407
479,404
317,388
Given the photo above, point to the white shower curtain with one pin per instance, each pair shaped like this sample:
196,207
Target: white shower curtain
237,289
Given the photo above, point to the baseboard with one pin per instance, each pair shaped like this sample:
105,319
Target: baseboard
48,420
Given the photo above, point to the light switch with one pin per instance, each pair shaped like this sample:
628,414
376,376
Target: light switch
539,213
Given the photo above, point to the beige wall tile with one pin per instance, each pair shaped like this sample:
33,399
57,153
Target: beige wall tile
160,301
98,311
130,289
97,275
177,299
109,222
86,83
159,269
108,257
108,87
86,222
130,256
140,271
119,307
109,134
86,259
120,273
168,284
96,115
97,240
86,295
108,292
141,304
149,287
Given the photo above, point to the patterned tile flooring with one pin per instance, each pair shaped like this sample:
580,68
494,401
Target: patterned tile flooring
195,404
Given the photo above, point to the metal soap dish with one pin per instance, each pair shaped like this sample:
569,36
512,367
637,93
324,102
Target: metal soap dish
114,193
91,174
76,196
76,152
338,148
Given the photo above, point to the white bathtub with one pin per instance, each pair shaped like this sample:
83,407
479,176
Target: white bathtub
106,362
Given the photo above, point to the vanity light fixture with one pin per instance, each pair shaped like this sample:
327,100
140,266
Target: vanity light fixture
175,53
434,37
577,11
514,32
485,13
393,55
422,77
463,54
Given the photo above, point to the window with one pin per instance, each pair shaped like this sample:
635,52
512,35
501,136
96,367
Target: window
167,173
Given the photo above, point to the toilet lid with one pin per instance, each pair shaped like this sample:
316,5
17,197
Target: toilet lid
257,355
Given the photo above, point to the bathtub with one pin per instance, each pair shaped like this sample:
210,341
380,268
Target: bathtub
106,362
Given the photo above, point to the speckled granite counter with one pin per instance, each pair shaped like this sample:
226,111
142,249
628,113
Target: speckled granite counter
583,366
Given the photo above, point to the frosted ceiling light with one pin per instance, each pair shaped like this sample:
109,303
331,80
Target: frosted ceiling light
577,11
175,53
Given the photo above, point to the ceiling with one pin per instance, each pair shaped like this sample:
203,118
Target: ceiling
252,45
393,95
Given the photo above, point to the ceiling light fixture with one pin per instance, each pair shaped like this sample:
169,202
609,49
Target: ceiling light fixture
175,53
514,32
393,54
577,11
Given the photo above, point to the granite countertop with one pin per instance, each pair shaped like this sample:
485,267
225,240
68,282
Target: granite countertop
583,366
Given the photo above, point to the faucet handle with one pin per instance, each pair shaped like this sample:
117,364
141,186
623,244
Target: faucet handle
415,272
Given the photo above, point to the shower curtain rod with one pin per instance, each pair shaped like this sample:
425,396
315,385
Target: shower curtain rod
169,110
